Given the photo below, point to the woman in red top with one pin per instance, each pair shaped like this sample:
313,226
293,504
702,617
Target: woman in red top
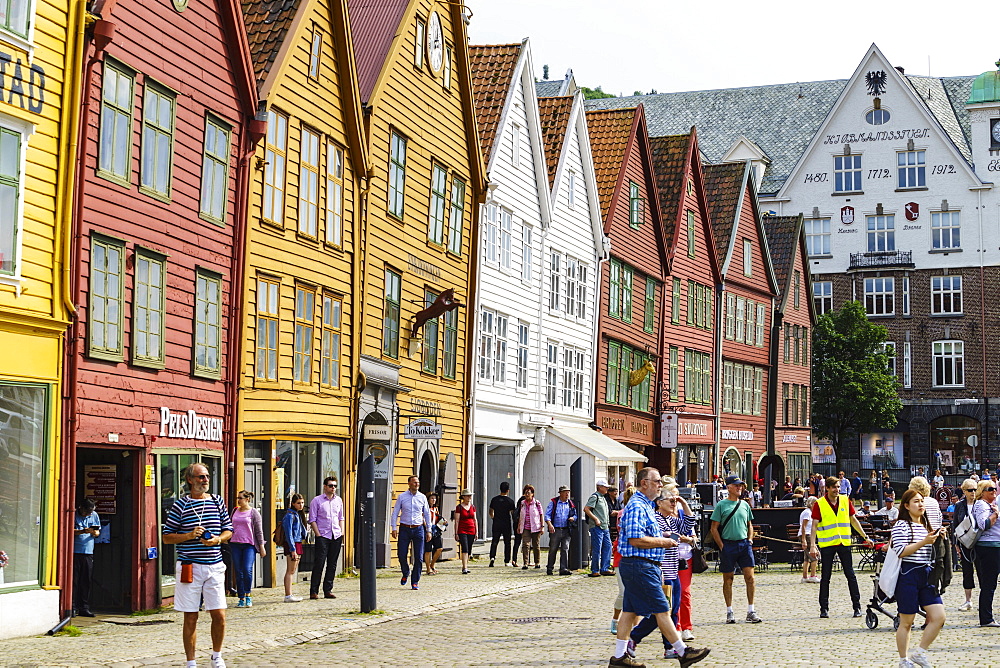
465,527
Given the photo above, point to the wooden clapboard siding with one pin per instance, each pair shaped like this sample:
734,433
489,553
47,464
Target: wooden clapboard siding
436,124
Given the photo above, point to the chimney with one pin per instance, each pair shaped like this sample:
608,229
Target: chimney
901,70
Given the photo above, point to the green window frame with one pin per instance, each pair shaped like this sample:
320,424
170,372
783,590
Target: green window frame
675,302
106,298
627,274
648,310
692,303
390,316
117,100
634,206
674,384
456,218
690,234
15,16
149,287
208,325
215,171
614,355
429,348
450,352
11,193
333,308
266,360
397,174
305,325
439,195
275,157
157,151
309,165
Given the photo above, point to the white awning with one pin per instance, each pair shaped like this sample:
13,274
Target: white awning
597,444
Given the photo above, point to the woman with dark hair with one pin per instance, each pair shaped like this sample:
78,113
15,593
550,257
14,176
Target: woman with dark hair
913,540
529,525
514,518
433,547
465,527
247,542
294,525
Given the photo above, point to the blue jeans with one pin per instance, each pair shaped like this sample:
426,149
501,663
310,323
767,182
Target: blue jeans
244,555
411,538
600,549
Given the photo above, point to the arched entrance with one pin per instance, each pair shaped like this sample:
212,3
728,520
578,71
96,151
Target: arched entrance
427,472
732,462
955,443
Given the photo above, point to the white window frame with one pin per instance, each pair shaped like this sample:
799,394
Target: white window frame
823,296
26,41
551,372
906,295
309,166
946,295
817,237
890,348
213,325
523,339
948,353
24,131
741,305
506,237
847,168
315,53
911,169
571,190
907,365
555,280
334,194
515,144
527,259
880,296
761,321
491,233
881,231
946,230
747,258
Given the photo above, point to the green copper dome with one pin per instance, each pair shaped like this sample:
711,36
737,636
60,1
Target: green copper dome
986,87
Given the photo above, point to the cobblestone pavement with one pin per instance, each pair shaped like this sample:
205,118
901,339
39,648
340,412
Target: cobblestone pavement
501,617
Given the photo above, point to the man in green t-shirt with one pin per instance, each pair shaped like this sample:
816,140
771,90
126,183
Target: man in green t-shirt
596,511
732,531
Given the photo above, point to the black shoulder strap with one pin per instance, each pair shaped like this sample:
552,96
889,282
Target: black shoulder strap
729,516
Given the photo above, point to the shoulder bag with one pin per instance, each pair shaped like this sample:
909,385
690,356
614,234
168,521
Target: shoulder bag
966,532
890,572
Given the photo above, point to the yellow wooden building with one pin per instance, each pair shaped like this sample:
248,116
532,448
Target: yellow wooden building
40,46
299,355
418,247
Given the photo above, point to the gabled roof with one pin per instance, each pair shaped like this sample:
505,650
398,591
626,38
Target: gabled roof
670,155
724,192
493,69
782,118
609,130
548,88
782,238
268,22
554,113
374,24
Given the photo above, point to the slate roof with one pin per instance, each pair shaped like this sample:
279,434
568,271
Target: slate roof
267,24
782,118
669,156
548,88
782,234
609,131
554,113
723,190
374,24
492,74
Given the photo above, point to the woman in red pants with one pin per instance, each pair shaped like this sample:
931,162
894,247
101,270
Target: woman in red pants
684,552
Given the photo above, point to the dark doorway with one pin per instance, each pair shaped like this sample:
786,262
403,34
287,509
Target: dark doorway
427,472
108,477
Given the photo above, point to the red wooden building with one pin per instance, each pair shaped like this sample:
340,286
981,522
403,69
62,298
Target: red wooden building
749,289
688,336
794,318
628,339
167,133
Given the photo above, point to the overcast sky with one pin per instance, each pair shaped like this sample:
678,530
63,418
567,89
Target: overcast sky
681,45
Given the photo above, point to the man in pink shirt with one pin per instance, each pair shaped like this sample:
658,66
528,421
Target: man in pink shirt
326,517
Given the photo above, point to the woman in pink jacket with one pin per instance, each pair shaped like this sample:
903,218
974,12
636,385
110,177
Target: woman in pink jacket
529,525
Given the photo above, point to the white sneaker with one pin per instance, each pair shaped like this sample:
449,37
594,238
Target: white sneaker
687,634
804,580
292,599
918,655
965,607
218,662
906,663
814,580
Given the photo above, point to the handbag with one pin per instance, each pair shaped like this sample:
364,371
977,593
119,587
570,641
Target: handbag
967,533
698,563
890,572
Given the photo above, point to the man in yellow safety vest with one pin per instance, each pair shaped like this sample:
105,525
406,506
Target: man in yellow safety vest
833,517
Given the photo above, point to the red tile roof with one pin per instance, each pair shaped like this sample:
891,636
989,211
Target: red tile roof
267,24
670,158
783,234
374,24
609,131
723,192
492,73
554,113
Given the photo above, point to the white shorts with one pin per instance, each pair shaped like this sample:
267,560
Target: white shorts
209,581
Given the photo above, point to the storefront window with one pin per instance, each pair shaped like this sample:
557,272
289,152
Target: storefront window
882,451
304,465
955,444
23,418
172,486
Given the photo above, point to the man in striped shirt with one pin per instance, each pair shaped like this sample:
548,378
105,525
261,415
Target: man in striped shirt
641,545
198,524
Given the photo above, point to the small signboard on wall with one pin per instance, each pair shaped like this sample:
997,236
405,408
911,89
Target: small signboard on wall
100,483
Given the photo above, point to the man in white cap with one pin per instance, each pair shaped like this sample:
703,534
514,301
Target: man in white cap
560,516
596,511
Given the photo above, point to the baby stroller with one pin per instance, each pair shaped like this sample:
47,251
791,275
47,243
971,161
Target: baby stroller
879,600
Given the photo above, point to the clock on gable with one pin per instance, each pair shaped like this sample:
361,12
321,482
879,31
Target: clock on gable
995,133
435,43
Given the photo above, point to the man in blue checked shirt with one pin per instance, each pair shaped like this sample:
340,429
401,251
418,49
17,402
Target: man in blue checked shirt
560,516
641,547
